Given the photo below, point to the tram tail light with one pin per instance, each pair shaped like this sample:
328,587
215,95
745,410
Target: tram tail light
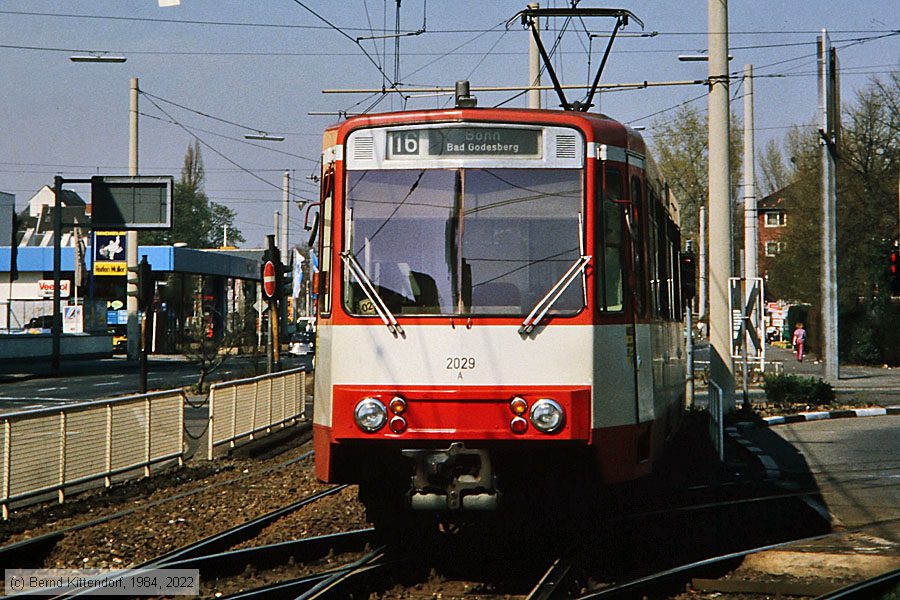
398,424
518,425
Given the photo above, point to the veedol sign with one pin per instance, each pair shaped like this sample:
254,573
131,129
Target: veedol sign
45,287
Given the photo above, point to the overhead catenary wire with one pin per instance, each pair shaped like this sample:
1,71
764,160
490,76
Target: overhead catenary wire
233,139
201,113
348,36
433,31
216,151
454,52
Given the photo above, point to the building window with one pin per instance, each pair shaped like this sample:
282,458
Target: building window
775,219
774,248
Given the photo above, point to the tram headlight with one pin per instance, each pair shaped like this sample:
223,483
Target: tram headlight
547,415
370,415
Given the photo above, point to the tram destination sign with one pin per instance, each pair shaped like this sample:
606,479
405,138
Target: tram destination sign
463,141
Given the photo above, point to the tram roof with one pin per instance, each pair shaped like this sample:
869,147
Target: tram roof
601,128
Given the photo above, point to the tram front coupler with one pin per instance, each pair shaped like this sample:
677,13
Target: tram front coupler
452,479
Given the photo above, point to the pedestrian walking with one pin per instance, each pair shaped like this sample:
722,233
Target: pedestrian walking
799,340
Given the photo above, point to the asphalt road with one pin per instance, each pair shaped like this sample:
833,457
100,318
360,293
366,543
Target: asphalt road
854,463
30,387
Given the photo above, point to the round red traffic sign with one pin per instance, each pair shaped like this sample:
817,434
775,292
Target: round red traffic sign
269,279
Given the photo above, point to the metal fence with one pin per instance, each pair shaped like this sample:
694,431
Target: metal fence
246,407
51,449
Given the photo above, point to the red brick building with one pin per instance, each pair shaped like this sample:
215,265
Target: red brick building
772,215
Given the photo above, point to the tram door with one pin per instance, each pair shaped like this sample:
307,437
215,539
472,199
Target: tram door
639,328
623,288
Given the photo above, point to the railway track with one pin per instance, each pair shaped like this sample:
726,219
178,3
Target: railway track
707,576
32,552
214,556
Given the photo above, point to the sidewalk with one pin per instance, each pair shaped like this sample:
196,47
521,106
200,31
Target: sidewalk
875,385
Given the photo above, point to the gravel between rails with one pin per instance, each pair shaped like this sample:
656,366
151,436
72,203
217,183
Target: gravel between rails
241,495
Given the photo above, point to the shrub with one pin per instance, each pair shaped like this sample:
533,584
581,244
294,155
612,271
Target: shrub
793,389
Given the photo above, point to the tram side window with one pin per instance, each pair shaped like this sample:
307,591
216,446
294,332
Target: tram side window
653,254
638,212
325,242
612,219
675,270
661,252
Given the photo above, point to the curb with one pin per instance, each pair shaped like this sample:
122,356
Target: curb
768,464
773,472
833,414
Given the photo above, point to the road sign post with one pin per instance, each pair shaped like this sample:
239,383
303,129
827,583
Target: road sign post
269,279
746,309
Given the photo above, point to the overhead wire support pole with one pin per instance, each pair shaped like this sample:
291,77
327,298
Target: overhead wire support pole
557,86
534,68
131,236
829,107
57,260
720,238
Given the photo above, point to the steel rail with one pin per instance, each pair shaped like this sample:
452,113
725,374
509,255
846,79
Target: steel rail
290,588
864,590
228,538
628,589
300,549
336,585
212,544
554,582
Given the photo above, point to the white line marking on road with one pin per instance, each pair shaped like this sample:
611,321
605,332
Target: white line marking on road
107,383
50,389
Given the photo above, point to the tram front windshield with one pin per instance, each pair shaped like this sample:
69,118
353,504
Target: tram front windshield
463,242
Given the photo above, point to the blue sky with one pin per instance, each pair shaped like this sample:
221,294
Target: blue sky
262,66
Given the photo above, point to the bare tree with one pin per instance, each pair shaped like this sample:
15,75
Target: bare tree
207,348
775,175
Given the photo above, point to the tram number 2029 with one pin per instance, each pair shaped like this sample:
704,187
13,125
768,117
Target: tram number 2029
404,142
460,363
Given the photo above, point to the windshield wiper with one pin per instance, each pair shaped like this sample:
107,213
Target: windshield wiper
544,305
371,293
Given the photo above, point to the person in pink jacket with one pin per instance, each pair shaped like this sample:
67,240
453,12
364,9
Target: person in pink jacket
799,340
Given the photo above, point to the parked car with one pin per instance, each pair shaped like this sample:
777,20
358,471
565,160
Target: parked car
302,343
42,322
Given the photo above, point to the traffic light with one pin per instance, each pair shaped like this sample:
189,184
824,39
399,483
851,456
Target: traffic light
286,286
145,291
688,276
894,272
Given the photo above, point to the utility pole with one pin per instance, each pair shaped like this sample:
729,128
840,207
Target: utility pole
131,237
750,228
285,244
57,261
704,274
830,114
750,212
720,261
534,66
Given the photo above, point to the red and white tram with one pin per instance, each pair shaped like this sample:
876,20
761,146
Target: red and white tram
499,308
